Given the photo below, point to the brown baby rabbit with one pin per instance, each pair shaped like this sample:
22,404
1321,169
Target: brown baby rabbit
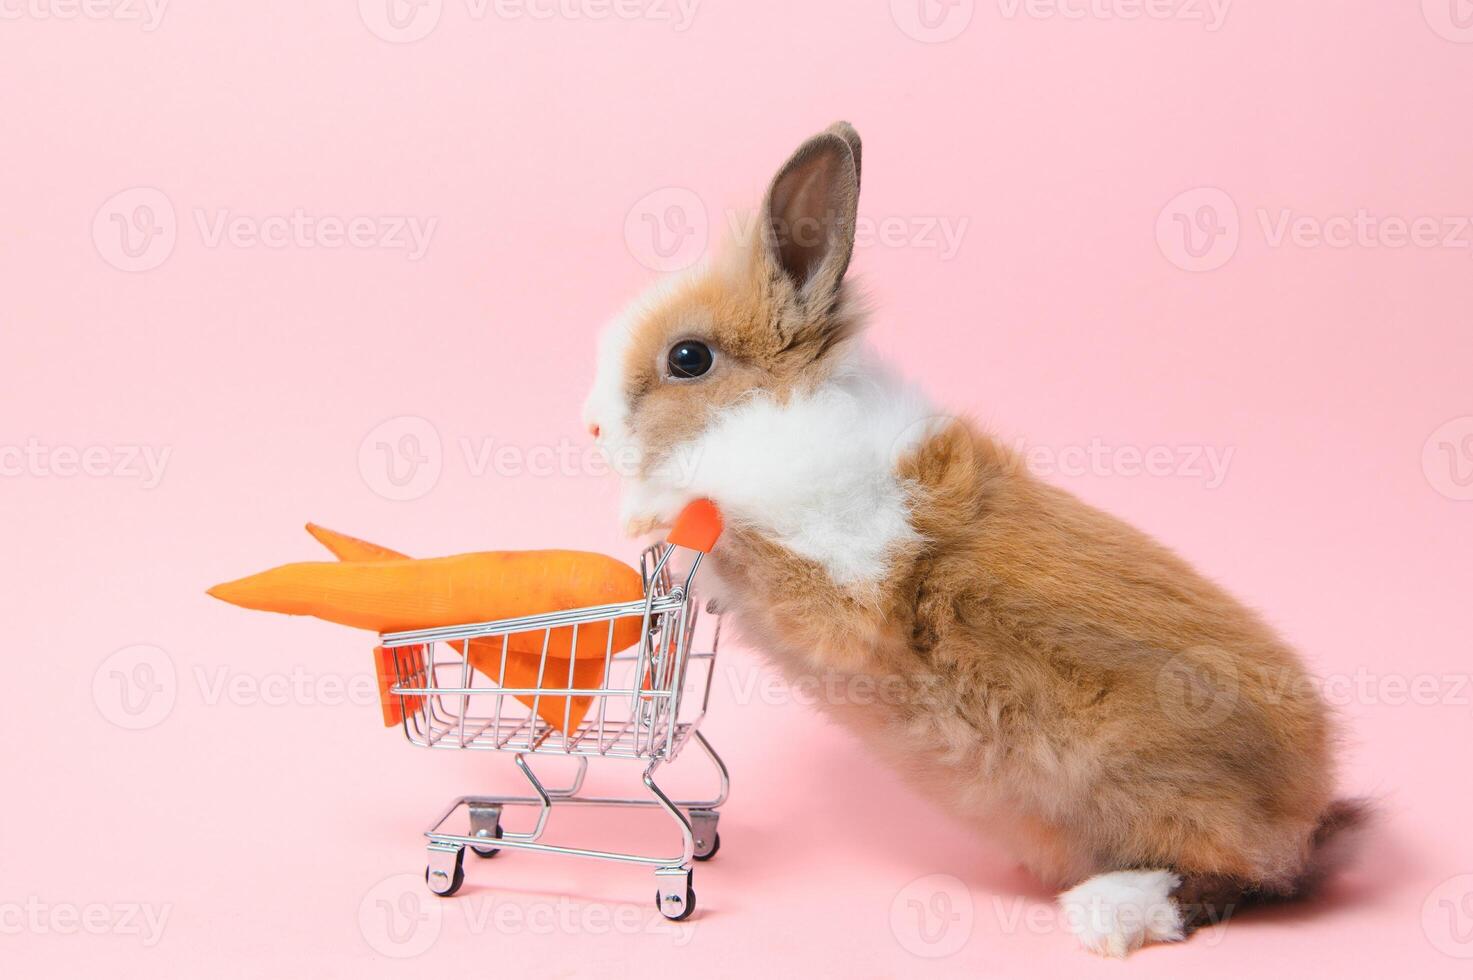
1050,674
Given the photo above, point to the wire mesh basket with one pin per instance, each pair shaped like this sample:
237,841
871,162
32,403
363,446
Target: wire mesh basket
505,686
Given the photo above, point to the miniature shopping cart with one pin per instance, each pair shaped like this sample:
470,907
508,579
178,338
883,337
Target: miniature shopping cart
648,706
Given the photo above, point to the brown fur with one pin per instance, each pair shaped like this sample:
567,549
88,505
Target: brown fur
1042,668
773,333
1032,637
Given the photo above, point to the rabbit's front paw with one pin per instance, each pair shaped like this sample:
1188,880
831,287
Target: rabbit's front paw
638,527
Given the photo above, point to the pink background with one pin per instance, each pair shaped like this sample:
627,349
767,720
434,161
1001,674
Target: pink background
1072,314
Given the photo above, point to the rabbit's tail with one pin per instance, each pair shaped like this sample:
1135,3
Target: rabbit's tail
1206,899
1336,841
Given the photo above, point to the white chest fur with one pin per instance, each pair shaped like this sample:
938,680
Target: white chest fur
815,473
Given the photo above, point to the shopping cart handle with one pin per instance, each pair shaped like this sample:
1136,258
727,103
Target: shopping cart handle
698,526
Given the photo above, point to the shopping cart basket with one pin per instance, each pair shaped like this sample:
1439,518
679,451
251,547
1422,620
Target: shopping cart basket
648,706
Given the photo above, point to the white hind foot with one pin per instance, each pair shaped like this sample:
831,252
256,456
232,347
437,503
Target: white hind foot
1115,913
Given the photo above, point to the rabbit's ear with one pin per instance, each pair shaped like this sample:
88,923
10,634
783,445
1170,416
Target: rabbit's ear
849,135
808,216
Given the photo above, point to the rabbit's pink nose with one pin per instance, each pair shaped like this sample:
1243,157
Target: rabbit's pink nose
593,429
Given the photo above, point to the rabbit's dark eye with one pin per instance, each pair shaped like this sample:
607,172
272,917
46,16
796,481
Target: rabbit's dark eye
690,359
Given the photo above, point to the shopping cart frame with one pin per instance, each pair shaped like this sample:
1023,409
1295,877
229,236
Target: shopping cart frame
653,717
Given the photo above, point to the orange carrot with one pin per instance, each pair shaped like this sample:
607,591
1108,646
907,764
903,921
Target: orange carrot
523,650
562,713
411,663
395,594
348,548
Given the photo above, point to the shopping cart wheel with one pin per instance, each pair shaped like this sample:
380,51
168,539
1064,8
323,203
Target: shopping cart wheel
485,822
675,898
703,830
710,852
446,870
487,852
